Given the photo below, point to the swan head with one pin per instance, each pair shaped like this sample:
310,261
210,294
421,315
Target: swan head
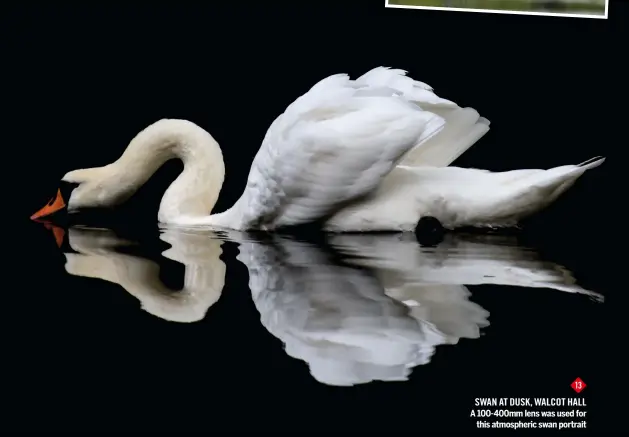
80,189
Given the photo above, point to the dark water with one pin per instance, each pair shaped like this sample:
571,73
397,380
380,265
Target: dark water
193,330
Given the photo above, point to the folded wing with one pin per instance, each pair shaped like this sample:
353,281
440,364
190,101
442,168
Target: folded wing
463,126
332,145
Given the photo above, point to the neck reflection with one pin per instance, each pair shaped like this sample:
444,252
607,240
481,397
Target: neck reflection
98,255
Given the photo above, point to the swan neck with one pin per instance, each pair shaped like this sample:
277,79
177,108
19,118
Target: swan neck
195,191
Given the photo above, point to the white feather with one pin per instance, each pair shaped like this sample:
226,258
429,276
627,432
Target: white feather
457,197
332,145
463,126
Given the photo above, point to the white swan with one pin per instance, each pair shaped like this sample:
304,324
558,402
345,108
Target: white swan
370,154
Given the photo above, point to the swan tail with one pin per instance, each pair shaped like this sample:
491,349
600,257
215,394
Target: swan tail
528,195
558,178
592,162
572,173
463,128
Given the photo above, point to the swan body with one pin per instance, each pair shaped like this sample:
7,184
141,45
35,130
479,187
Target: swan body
457,197
370,154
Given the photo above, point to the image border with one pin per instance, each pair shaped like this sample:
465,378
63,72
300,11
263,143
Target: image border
498,11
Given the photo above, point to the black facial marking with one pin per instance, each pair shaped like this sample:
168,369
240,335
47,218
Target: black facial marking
60,217
66,189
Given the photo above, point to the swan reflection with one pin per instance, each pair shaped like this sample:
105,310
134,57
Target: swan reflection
384,308
360,308
98,256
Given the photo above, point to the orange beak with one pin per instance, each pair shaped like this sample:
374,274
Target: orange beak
57,232
51,207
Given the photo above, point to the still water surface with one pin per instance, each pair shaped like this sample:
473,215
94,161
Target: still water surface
365,308
179,326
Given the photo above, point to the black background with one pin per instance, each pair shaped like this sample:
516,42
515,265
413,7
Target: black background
80,81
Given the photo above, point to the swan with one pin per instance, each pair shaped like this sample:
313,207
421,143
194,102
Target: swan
370,154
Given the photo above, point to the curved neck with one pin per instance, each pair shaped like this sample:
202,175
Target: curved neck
195,192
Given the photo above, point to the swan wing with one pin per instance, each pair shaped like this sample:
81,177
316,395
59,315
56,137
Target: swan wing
330,146
463,126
